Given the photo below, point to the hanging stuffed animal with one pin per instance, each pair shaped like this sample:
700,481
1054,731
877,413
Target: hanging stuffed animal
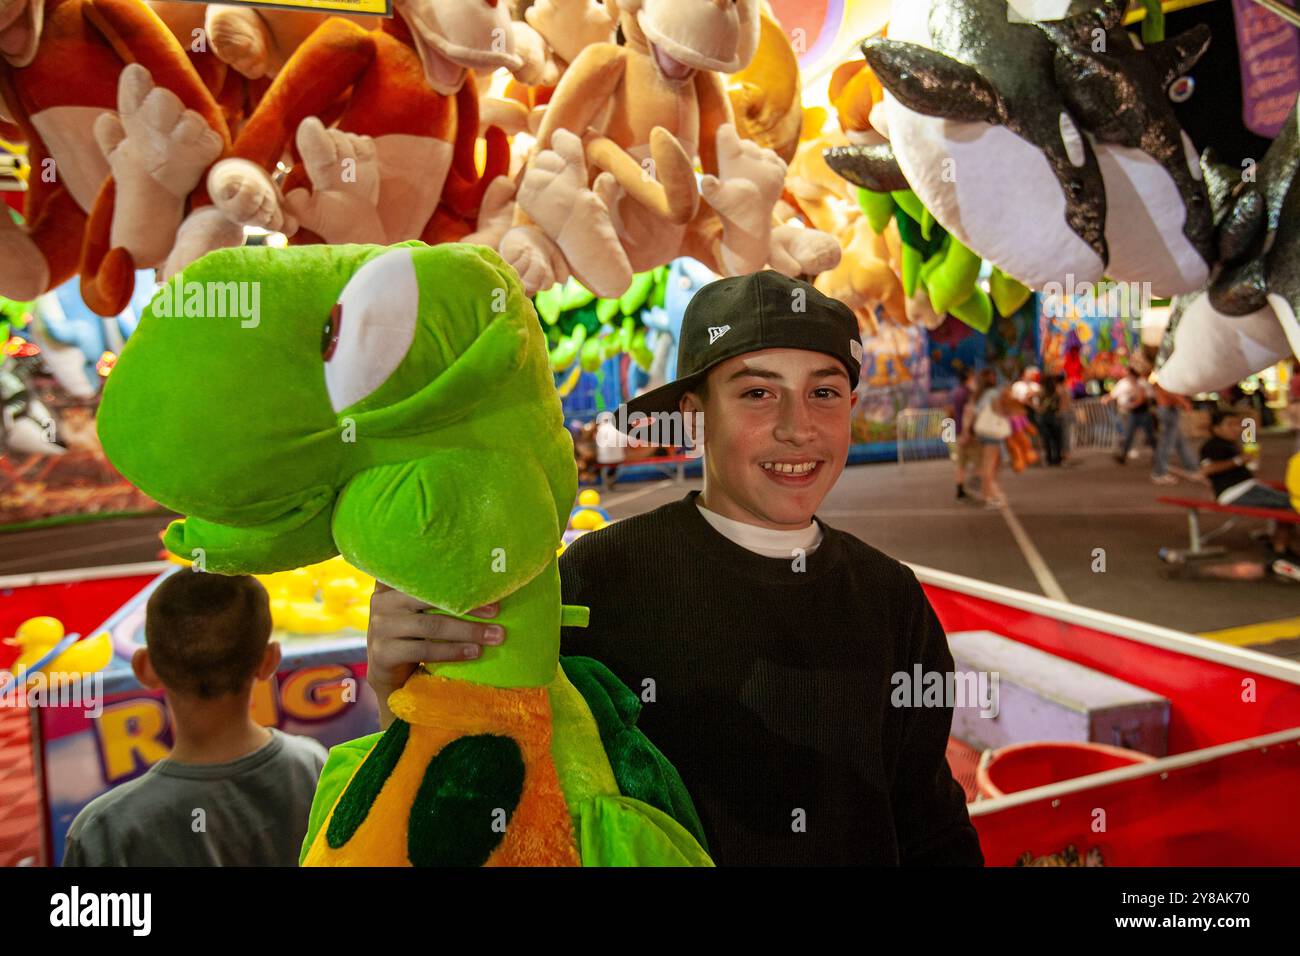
564,28
238,50
1065,123
78,77
1246,319
394,405
639,113
399,162
866,277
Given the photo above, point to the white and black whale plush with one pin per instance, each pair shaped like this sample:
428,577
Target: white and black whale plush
1048,147
1245,319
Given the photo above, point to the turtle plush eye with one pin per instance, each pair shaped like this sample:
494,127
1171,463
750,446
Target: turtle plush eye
370,328
329,336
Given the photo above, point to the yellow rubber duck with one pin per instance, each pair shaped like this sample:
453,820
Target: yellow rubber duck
319,599
37,636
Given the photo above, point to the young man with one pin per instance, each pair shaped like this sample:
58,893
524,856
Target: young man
764,643
1132,396
965,452
207,641
1225,465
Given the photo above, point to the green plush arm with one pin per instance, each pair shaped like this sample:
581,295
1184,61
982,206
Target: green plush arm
623,831
342,762
642,772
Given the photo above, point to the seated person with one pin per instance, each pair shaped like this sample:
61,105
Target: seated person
1224,464
231,793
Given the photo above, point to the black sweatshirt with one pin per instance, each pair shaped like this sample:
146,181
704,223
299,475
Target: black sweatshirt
771,688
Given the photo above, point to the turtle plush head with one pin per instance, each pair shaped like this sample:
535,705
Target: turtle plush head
393,404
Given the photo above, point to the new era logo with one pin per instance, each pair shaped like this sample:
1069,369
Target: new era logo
717,331
855,347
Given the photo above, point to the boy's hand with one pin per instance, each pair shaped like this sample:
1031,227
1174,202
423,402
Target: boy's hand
400,638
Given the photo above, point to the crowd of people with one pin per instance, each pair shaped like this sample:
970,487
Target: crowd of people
993,420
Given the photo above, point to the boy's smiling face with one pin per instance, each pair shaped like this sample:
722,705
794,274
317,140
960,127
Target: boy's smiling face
776,435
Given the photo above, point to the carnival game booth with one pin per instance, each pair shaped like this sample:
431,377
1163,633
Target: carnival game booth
86,740
1221,790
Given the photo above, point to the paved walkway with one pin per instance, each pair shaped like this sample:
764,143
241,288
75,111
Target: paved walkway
1061,527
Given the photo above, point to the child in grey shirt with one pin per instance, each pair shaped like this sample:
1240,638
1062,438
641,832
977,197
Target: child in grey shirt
231,793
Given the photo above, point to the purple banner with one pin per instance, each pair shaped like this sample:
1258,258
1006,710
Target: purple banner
1270,66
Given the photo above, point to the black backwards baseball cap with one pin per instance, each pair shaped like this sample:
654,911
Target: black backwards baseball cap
762,310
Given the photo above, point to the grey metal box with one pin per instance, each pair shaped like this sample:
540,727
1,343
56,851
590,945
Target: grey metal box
1040,696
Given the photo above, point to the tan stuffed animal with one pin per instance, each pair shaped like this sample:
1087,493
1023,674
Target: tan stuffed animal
639,114
867,275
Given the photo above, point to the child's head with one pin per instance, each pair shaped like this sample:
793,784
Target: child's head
767,367
1225,423
207,636
777,431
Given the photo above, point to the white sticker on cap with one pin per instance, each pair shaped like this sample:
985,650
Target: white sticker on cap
855,347
717,331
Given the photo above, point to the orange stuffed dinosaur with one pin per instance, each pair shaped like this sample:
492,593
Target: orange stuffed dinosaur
398,164
64,82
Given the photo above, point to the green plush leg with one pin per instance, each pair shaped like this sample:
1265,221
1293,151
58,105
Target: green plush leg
592,355
976,311
910,204
607,311
913,251
642,354
1008,293
547,303
953,280
633,300
877,207
575,296
563,355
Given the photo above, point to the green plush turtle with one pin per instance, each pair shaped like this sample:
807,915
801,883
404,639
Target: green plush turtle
395,405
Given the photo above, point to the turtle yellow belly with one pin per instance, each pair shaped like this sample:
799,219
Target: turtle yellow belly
463,777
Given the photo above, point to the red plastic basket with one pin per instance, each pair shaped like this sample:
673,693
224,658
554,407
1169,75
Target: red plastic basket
1041,762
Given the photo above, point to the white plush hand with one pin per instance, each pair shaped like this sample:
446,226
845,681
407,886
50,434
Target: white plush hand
535,257
743,194
244,193
749,181
554,181
495,213
153,135
239,37
554,194
796,250
203,230
537,69
343,204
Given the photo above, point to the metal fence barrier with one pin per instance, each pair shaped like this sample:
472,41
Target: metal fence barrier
921,432
1091,426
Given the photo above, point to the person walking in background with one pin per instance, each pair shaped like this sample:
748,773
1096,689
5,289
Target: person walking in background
1052,407
1132,397
966,450
1169,409
991,427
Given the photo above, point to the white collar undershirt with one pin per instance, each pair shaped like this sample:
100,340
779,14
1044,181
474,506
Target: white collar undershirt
764,541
